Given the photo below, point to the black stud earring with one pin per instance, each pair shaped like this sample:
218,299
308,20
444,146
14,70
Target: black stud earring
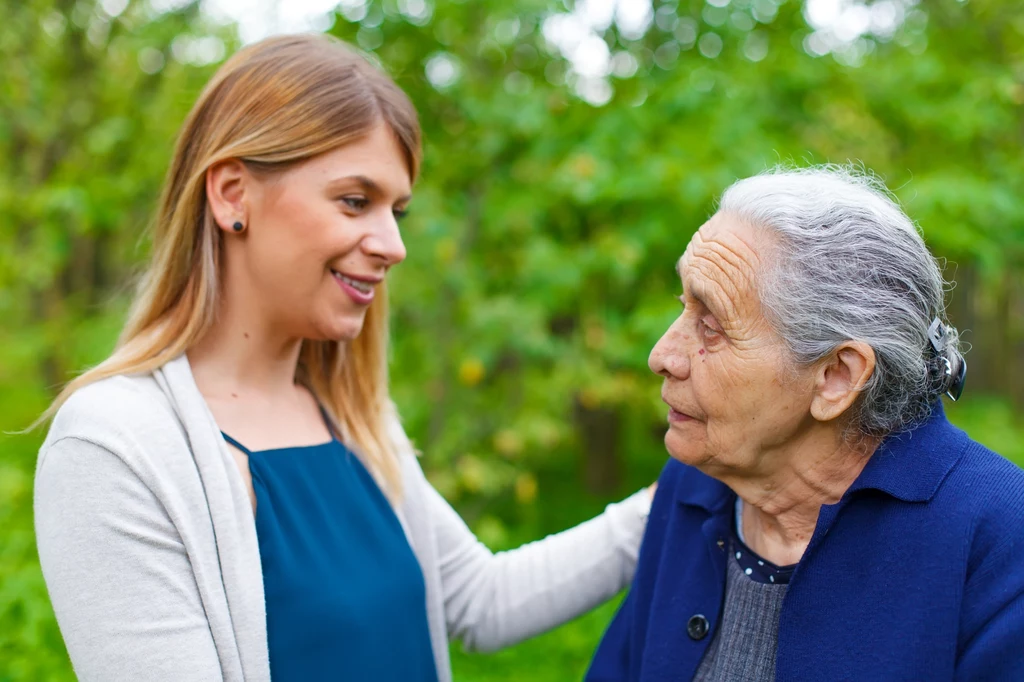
238,226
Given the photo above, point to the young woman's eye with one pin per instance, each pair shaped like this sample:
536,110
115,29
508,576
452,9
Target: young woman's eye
357,203
400,213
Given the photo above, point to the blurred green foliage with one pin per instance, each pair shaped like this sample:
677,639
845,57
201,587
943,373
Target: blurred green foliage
542,237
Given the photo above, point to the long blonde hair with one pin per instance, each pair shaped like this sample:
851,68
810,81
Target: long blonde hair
272,105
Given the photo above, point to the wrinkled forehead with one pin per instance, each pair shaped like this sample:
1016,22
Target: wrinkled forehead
724,244
723,260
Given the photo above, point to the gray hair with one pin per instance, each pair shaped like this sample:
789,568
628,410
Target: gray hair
850,265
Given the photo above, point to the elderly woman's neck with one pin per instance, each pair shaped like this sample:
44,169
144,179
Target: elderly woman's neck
781,507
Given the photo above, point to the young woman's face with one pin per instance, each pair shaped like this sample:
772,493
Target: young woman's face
322,235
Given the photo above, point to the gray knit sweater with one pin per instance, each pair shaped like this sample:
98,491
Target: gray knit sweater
148,545
745,644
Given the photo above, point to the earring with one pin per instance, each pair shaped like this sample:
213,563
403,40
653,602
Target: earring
238,226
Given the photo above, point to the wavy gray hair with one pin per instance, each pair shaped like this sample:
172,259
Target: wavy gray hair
849,264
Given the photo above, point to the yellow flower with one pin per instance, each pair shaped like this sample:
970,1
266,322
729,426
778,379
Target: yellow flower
584,165
471,371
526,488
508,442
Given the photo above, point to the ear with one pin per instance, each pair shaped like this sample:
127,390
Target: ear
226,184
841,378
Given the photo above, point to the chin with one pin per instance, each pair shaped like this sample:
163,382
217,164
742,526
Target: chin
688,450
340,331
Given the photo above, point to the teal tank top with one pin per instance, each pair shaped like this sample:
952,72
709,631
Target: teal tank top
344,592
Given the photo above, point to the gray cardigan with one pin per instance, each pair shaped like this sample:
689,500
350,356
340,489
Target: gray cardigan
148,545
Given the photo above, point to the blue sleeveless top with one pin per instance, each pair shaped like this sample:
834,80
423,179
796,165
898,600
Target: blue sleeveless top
344,592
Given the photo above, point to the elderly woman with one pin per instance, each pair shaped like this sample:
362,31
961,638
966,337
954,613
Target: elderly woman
820,519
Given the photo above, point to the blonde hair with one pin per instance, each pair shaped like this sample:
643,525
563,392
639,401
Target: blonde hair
272,105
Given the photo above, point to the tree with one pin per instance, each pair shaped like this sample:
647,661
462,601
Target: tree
553,204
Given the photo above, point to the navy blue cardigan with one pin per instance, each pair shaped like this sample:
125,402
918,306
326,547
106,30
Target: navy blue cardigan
916,574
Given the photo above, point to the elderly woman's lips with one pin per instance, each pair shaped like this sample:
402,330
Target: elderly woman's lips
675,415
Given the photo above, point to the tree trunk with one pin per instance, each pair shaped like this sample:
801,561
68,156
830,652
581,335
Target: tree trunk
598,430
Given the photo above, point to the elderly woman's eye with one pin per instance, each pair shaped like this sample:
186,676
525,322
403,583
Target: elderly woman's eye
708,331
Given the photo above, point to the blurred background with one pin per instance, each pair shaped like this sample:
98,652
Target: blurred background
571,151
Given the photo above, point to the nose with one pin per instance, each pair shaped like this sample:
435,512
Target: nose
384,240
670,356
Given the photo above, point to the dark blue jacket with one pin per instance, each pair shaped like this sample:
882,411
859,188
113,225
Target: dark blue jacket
917,573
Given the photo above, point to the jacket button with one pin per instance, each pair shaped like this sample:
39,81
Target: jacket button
697,627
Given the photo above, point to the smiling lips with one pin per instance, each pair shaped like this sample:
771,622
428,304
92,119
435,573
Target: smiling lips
359,289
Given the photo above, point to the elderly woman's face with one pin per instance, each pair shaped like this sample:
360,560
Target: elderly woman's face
732,394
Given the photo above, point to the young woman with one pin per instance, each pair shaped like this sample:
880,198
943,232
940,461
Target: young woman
230,495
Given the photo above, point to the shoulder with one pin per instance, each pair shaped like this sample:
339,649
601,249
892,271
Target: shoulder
984,496
961,489
418,495
114,404
980,506
987,491
119,414
986,486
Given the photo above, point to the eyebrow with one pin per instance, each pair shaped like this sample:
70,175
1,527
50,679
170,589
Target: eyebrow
682,282
367,185
695,296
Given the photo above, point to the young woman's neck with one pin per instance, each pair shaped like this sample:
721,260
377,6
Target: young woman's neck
242,353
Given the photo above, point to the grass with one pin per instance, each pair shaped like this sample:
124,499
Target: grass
560,655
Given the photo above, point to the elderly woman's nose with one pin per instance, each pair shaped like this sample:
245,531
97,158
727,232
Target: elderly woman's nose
669,357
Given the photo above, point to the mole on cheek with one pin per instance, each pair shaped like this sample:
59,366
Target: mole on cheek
701,351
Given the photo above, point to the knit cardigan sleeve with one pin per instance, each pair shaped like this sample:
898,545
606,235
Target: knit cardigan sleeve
493,600
117,571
